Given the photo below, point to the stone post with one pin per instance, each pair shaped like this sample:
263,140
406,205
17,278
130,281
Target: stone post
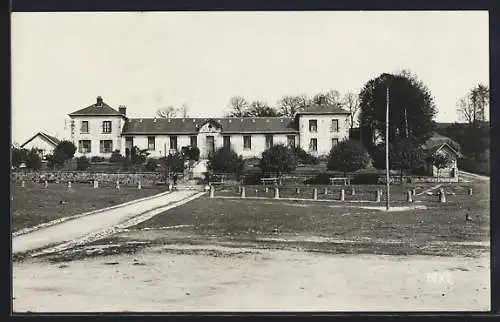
139,187
96,184
409,196
315,194
276,193
470,191
378,195
170,187
413,192
69,184
242,192
342,195
442,195
117,184
326,191
353,192
22,183
46,184
297,190
266,189
212,191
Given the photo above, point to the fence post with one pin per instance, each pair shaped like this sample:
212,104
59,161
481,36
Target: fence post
297,190
267,189
170,186
117,184
315,194
69,184
96,184
378,196
470,191
326,191
46,184
276,193
139,187
212,191
242,192
22,184
413,192
409,197
353,192
442,195
342,195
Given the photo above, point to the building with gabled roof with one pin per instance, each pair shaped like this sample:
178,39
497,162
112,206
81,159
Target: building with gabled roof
42,142
99,129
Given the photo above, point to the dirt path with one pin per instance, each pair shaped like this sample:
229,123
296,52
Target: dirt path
80,227
190,278
472,176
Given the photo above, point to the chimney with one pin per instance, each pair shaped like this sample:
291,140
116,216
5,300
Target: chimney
122,110
99,101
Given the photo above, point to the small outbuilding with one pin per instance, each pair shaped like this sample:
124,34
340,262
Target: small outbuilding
43,142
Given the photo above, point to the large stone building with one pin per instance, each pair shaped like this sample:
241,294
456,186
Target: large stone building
99,129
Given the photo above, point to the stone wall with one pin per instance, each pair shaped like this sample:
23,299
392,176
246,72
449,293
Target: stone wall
146,178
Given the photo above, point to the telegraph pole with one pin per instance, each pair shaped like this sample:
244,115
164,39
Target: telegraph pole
387,148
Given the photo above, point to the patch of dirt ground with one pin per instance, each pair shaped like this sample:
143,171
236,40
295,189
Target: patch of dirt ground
214,278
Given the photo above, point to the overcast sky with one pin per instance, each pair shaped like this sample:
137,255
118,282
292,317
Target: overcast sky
62,61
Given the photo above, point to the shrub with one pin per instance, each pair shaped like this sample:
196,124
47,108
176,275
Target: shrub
190,153
365,178
304,157
151,165
97,159
116,157
138,156
18,156
174,163
82,163
278,159
225,160
65,150
322,178
348,156
33,160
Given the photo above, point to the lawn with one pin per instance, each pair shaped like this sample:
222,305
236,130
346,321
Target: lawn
34,204
338,227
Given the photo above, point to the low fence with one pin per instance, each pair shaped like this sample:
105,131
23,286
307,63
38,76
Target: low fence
146,178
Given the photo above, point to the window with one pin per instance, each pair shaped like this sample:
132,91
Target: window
84,146
106,146
313,125
335,126
247,142
194,141
85,127
313,145
151,142
227,141
106,127
269,141
173,143
334,142
290,140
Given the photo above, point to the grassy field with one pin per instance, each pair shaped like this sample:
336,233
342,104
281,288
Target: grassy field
34,205
441,229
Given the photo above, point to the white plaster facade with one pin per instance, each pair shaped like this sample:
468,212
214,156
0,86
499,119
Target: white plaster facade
325,132
40,143
95,134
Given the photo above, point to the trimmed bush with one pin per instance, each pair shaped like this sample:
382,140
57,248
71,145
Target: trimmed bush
97,159
82,163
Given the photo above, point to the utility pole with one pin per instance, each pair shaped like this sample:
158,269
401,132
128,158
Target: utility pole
387,148
406,124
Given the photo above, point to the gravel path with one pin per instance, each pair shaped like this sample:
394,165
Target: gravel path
83,226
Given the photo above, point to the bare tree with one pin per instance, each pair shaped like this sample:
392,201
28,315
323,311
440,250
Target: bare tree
238,105
289,105
351,103
259,108
472,107
166,112
183,110
332,97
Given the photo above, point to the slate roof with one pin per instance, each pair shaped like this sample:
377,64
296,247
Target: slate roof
51,139
191,125
95,110
323,109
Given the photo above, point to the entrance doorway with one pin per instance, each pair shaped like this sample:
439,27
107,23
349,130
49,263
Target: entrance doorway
210,144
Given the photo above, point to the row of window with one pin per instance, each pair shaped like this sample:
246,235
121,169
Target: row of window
105,146
313,126
106,127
